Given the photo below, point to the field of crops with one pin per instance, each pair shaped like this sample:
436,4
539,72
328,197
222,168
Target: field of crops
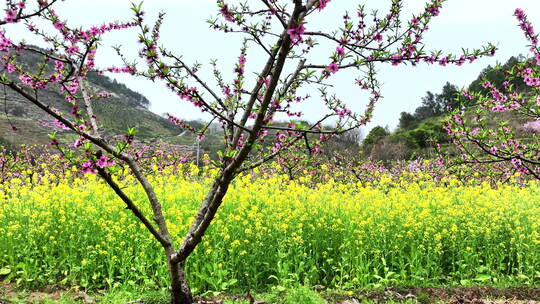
273,232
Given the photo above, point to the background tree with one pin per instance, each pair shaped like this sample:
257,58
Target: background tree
407,121
374,136
498,75
447,99
429,108
437,104
245,108
388,150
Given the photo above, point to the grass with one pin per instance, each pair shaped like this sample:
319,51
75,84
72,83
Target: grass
297,295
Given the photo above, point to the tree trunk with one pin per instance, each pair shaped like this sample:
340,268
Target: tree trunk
180,291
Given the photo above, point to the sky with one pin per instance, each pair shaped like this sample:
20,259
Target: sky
461,24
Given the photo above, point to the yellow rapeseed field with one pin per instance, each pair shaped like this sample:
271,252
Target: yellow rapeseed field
271,231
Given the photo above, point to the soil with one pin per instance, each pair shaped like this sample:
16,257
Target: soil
50,292
451,295
423,295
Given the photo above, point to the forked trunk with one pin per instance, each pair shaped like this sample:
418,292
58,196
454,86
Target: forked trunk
180,292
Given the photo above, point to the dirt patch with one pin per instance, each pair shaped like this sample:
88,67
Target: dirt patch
423,295
9,293
452,295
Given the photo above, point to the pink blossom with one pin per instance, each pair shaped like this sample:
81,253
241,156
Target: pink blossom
59,25
265,81
58,65
78,144
226,13
11,68
322,4
443,61
343,112
333,68
71,87
72,50
461,60
125,69
434,10
516,162
431,59
88,167
396,59
467,95
27,80
94,31
295,33
498,108
11,16
241,64
104,161
340,51
5,43
532,126
263,133
61,125
519,13
104,95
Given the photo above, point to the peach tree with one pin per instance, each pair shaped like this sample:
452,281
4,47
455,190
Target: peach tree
245,105
500,125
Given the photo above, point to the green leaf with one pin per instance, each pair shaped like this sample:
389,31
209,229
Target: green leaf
87,146
280,288
482,277
131,131
5,271
231,153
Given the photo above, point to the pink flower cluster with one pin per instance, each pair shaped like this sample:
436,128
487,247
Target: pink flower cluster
14,11
322,4
295,32
533,126
91,166
124,69
227,14
526,26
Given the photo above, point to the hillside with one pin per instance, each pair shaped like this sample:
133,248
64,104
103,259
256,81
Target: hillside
125,108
